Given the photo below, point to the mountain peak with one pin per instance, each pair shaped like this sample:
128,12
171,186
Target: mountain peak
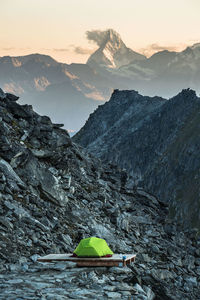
189,93
195,46
112,51
191,52
18,61
113,37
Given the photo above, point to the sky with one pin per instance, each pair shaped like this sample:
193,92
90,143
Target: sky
58,27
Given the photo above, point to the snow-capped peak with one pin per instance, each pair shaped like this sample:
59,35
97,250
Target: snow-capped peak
112,52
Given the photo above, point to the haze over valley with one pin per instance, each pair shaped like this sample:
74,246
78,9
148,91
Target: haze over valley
69,93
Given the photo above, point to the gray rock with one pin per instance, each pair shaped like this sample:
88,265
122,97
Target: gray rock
100,230
15,281
156,249
113,295
138,288
34,257
189,261
5,222
161,274
51,189
6,168
197,270
150,294
191,281
11,97
117,270
63,266
110,288
41,153
2,94
14,267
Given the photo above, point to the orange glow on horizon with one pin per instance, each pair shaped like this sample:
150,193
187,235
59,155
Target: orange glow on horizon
57,27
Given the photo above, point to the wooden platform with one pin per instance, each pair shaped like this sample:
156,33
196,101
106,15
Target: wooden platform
115,260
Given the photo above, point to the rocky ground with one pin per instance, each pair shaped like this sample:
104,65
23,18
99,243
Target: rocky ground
52,194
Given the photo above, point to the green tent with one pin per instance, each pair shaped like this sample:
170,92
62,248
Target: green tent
92,247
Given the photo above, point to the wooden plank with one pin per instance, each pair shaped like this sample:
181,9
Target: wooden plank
69,257
88,263
115,260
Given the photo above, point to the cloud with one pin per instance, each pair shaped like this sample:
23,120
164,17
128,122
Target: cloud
153,48
61,49
14,48
72,48
96,36
25,48
158,47
83,51
194,41
8,48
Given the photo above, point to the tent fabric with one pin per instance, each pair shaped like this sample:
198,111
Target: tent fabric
92,247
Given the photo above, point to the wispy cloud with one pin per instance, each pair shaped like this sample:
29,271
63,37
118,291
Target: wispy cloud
83,51
61,49
153,48
8,48
72,48
158,47
194,41
25,48
13,48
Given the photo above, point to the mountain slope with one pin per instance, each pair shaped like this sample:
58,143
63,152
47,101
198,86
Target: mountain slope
159,150
127,107
52,194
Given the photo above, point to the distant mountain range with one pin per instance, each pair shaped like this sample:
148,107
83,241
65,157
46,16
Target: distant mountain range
52,88
69,93
157,141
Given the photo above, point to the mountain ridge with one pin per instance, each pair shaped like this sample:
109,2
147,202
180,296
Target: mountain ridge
147,147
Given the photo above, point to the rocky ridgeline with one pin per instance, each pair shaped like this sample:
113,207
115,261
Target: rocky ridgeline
126,110
52,194
156,141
